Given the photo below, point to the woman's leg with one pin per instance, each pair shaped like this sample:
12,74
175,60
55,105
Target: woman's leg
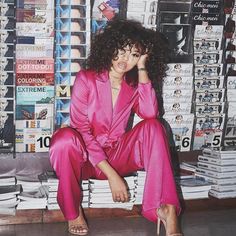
68,158
146,146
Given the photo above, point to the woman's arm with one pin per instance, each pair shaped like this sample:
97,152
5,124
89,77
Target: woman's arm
146,105
79,118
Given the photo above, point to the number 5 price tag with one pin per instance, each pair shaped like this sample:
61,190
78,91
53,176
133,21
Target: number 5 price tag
42,142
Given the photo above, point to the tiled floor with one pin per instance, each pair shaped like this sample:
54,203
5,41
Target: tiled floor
207,223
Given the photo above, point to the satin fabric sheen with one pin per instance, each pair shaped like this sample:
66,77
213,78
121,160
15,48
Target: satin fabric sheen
97,132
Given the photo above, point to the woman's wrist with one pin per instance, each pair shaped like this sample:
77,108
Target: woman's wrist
142,68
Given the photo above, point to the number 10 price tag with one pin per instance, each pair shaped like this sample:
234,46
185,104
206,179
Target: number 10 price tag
42,142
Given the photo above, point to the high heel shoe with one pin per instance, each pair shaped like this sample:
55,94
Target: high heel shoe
161,219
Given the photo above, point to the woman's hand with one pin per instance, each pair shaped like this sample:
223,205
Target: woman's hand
142,61
117,184
118,188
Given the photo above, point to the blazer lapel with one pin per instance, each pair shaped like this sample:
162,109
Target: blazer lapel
104,94
124,98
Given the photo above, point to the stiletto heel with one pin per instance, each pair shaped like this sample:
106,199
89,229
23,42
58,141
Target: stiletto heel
161,219
158,226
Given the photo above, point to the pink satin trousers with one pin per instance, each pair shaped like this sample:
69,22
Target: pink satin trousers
143,147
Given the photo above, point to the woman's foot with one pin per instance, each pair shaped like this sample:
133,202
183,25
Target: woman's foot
78,226
168,216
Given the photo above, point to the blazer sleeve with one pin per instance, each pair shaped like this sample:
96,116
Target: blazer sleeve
79,118
146,105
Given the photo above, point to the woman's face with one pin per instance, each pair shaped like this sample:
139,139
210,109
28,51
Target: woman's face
126,59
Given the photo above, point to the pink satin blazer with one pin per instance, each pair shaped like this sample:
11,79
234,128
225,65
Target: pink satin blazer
93,116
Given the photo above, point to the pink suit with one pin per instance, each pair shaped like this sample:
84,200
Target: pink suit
97,132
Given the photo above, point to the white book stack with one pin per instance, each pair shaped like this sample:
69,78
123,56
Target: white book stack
50,181
219,167
141,176
8,195
101,196
36,199
192,187
86,194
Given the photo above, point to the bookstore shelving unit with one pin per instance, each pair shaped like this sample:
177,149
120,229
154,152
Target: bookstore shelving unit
176,24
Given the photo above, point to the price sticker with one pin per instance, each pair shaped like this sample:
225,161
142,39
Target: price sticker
42,142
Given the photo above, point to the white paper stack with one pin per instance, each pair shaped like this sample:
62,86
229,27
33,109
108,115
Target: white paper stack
101,196
192,187
50,181
8,195
36,199
219,167
141,176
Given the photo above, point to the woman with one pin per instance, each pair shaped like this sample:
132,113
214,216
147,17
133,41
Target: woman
123,60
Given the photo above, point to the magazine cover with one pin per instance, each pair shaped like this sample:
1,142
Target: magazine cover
6,105
75,25
34,79
204,44
208,70
178,82
34,29
72,38
72,52
24,51
34,4
205,57
208,131
209,108
29,95
208,32
209,96
230,56
73,11
206,6
7,36
231,82
7,91
230,131
7,131
35,66
230,44
34,15
62,119
179,69
179,38
6,78
63,78
177,108
103,11
63,105
181,127
207,18
177,95
209,82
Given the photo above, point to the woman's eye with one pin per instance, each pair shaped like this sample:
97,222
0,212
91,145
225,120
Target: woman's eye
136,55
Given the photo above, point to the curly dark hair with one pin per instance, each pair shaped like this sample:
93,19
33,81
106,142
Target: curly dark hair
120,33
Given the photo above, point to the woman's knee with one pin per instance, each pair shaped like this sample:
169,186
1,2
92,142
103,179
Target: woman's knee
153,124
64,136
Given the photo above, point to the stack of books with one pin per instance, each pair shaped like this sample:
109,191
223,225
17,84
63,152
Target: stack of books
86,194
218,167
32,195
192,187
36,199
101,196
50,181
9,191
141,176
